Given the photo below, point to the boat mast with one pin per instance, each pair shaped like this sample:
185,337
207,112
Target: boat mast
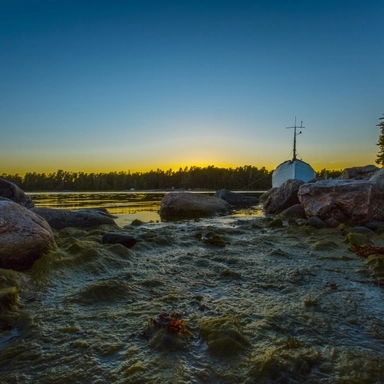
294,137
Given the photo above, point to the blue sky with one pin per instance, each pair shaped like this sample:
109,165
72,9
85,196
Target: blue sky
101,86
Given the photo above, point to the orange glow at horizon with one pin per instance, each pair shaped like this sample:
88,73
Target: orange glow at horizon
22,170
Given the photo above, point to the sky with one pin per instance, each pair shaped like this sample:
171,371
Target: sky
102,86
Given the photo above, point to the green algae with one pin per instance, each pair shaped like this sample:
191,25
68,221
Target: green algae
270,313
224,336
357,239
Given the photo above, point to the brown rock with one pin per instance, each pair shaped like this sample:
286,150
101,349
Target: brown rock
347,201
378,178
296,212
359,173
82,218
236,199
316,222
283,197
179,206
13,192
265,195
24,236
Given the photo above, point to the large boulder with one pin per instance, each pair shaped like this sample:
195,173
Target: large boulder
283,197
13,192
184,205
24,236
85,218
265,195
378,178
347,201
294,212
359,173
236,199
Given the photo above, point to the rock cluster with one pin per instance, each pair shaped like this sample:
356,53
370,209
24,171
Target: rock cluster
356,198
26,233
359,173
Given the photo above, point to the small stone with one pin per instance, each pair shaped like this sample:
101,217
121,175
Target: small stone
137,223
119,238
316,222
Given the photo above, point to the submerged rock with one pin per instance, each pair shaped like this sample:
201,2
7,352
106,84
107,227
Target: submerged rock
377,226
62,218
363,230
9,298
13,192
236,199
376,263
224,336
180,206
357,239
105,291
316,222
137,223
332,223
276,223
211,238
24,236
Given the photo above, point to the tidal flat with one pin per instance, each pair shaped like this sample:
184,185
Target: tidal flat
262,305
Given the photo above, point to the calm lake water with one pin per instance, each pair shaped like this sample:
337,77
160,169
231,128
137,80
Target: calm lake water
248,303
126,206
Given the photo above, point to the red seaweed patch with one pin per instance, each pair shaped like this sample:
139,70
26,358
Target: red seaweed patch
167,332
366,250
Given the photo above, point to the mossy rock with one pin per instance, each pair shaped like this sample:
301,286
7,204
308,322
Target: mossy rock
357,239
376,263
325,245
276,223
9,298
224,336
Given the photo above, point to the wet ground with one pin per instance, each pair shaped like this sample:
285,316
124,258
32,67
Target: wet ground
222,300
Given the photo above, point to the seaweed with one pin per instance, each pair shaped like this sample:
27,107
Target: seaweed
168,323
171,323
366,250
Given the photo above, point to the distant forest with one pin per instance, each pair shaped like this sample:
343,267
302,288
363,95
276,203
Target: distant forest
211,178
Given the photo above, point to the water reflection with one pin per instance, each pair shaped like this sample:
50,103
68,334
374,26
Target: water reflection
126,206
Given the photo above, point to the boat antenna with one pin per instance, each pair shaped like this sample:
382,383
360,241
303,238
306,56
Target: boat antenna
294,137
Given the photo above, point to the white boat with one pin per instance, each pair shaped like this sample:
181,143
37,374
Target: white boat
293,169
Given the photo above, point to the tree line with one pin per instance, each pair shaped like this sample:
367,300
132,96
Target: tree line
212,178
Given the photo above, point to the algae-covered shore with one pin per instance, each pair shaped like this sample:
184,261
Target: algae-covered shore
262,305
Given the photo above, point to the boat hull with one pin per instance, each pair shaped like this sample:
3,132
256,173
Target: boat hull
292,169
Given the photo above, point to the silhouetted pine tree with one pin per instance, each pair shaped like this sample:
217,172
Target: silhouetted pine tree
380,144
